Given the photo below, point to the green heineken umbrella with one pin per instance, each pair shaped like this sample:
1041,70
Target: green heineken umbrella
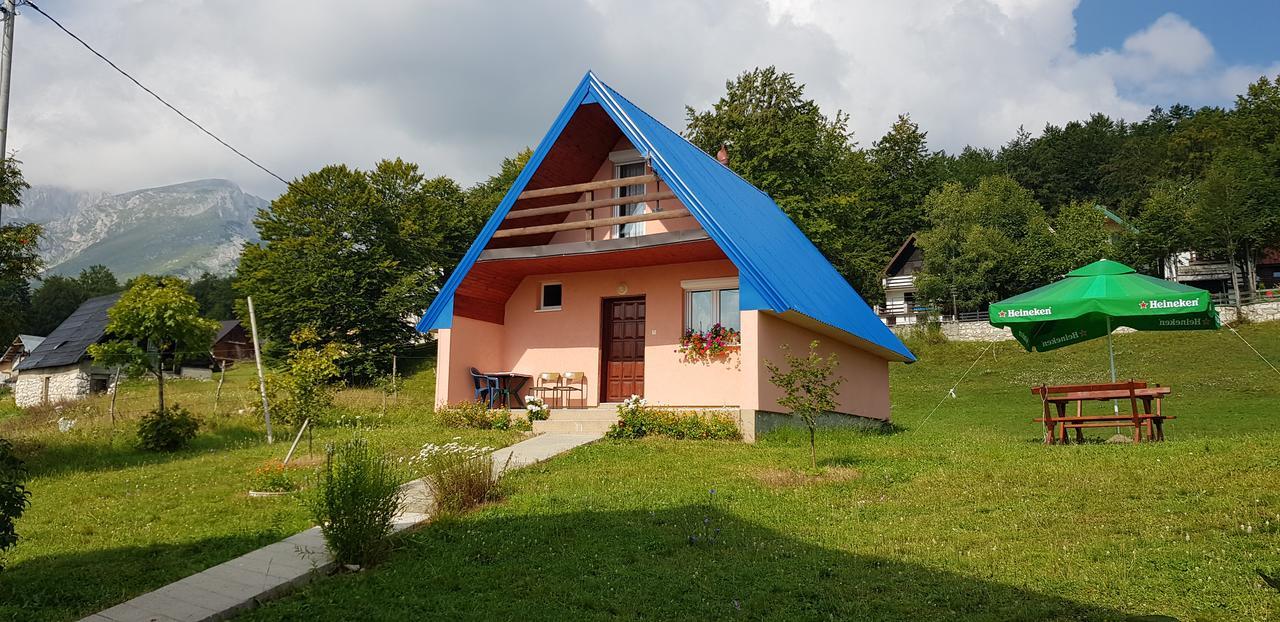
1094,300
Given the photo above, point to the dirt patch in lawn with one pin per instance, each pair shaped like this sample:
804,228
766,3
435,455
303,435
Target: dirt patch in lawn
788,478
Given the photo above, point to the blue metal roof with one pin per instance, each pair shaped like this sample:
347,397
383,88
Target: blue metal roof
779,268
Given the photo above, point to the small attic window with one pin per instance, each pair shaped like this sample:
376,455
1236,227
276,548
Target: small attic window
550,297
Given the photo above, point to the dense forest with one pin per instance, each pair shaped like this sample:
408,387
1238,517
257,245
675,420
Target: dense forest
994,222
351,254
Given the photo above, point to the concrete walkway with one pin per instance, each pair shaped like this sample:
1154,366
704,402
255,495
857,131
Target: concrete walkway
272,571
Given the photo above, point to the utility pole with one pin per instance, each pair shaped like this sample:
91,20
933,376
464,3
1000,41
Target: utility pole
262,379
6,70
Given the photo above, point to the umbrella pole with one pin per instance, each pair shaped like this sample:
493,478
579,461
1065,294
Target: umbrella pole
1111,353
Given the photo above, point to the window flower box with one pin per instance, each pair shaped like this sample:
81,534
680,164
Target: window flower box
712,344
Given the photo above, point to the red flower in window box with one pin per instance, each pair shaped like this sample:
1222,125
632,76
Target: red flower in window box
713,343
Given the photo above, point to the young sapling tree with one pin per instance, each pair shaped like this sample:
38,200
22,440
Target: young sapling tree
809,388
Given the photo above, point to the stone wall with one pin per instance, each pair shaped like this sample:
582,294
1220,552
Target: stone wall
65,384
963,331
1261,312
983,331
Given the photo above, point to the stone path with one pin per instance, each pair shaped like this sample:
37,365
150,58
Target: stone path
272,571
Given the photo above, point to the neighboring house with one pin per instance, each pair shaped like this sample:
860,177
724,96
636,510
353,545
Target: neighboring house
1269,269
1215,275
20,348
59,369
1206,272
231,344
899,281
618,236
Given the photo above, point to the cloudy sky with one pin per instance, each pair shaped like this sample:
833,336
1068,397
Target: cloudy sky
457,85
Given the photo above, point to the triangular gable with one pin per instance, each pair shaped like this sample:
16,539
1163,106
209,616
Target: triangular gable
780,270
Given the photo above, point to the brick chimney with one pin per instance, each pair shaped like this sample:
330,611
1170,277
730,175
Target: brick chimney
723,155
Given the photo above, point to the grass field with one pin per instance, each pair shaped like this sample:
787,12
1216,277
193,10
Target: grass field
965,516
108,522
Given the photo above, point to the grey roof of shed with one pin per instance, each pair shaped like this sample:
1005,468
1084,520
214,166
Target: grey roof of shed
30,342
224,327
69,342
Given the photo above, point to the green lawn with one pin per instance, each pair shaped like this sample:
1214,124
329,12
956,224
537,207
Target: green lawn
966,516
108,522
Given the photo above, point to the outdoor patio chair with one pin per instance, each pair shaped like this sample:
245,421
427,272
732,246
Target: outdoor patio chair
487,387
548,382
573,382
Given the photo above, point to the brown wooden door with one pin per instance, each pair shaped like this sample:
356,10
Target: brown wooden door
623,346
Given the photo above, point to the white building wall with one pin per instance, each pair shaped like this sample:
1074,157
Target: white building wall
64,384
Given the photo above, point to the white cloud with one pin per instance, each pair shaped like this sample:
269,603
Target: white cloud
458,85
1171,43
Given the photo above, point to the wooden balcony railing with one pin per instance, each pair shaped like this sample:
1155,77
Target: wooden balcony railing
589,223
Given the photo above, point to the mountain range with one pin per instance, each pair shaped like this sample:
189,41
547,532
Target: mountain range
184,229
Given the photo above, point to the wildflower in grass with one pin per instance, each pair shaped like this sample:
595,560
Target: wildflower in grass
460,476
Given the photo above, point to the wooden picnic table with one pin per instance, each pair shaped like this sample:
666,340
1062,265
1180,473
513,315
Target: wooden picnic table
1056,424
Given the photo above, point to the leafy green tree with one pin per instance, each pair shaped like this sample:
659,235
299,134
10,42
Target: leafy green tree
1194,142
1139,161
968,167
1255,121
215,295
1162,227
483,198
777,139
52,302
19,256
1065,163
14,496
1080,236
355,255
985,244
98,280
1236,213
155,322
15,308
903,174
809,389
312,368
784,144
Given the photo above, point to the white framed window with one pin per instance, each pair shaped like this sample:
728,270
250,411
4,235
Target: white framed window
621,171
711,301
550,296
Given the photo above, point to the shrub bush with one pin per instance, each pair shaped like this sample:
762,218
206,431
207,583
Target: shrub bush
475,415
637,420
169,429
460,476
354,498
926,332
537,408
14,496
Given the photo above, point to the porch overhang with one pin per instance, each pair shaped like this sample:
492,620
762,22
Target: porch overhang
484,293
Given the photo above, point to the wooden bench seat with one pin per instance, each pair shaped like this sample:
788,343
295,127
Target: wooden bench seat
1133,391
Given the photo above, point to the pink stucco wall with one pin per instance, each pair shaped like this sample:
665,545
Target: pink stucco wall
865,391
531,341
470,343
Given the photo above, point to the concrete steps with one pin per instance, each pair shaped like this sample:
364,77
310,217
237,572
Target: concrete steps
591,421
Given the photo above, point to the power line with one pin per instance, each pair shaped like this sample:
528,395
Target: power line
153,94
